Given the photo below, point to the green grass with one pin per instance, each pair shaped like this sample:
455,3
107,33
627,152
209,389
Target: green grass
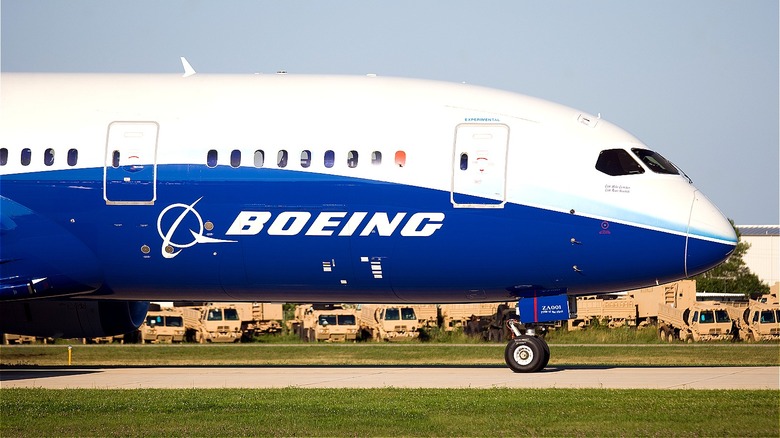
385,354
388,412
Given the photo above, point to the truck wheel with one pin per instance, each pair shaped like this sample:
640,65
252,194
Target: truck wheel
662,335
525,354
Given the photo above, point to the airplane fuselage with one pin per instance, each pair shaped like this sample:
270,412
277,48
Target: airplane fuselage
330,189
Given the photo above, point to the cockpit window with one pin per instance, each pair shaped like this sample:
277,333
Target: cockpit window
656,162
617,162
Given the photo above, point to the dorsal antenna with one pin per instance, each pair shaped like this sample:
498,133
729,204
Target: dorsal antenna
188,70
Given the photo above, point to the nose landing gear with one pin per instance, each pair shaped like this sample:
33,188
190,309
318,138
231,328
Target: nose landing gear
526,353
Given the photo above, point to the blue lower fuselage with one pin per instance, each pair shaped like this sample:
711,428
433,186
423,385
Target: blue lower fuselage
178,248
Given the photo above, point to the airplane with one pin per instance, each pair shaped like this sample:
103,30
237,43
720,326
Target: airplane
120,189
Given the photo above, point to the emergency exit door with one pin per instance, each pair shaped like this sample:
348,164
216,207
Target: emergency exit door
479,166
130,171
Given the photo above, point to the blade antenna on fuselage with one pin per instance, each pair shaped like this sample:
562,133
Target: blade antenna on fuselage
188,70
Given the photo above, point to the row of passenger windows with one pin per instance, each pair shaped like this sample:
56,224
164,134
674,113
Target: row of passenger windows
260,159
48,157
616,162
282,156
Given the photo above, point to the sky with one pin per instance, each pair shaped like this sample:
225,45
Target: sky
695,80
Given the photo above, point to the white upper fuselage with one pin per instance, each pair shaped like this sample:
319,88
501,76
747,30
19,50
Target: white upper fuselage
549,163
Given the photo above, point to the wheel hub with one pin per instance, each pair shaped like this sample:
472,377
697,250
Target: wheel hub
523,355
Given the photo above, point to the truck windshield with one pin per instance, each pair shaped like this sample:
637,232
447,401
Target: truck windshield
214,315
767,316
231,315
327,320
407,314
722,316
392,314
346,319
174,321
706,317
153,320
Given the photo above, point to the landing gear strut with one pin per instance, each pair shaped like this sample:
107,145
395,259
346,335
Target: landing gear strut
526,353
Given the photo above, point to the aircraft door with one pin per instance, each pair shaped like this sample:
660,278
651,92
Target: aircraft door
479,166
130,171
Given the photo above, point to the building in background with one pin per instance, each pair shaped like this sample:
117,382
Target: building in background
763,256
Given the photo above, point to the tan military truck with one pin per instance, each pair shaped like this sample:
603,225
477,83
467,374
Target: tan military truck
388,322
761,320
213,322
473,318
427,314
165,325
677,294
612,310
325,323
9,338
261,318
701,321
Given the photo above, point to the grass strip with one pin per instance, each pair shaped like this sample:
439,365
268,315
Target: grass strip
384,354
388,412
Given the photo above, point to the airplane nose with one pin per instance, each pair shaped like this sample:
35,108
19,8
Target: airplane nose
711,237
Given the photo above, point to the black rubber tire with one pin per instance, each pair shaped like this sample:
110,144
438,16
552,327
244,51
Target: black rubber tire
546,349
525,354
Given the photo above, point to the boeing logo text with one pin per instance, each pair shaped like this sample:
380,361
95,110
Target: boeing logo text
339,223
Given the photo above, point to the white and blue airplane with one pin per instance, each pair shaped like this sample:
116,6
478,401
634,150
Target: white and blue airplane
116,190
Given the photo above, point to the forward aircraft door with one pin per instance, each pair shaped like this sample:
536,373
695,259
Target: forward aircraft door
130,171
479,166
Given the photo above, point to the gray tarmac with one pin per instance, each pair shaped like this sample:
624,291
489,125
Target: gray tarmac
399,377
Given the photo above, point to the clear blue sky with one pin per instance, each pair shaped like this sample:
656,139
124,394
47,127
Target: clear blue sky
696,80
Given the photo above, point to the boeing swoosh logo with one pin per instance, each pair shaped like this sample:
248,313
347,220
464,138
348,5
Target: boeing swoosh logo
167,248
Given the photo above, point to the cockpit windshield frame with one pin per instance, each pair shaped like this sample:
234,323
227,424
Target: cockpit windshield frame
618,162
655,161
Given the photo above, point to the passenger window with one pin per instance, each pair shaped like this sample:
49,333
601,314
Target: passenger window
115,159
616,162
259,158
281,158
655,161
3,156
26,156
73,157
235,158
400,158
329,159
211,158
352,159
376,158
305,159
48,157
464,161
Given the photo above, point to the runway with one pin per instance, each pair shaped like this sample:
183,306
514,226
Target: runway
399,377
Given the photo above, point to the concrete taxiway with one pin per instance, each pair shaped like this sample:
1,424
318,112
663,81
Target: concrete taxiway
399,377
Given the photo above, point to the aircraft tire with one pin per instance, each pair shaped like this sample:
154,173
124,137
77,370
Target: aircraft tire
526,354
546,349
